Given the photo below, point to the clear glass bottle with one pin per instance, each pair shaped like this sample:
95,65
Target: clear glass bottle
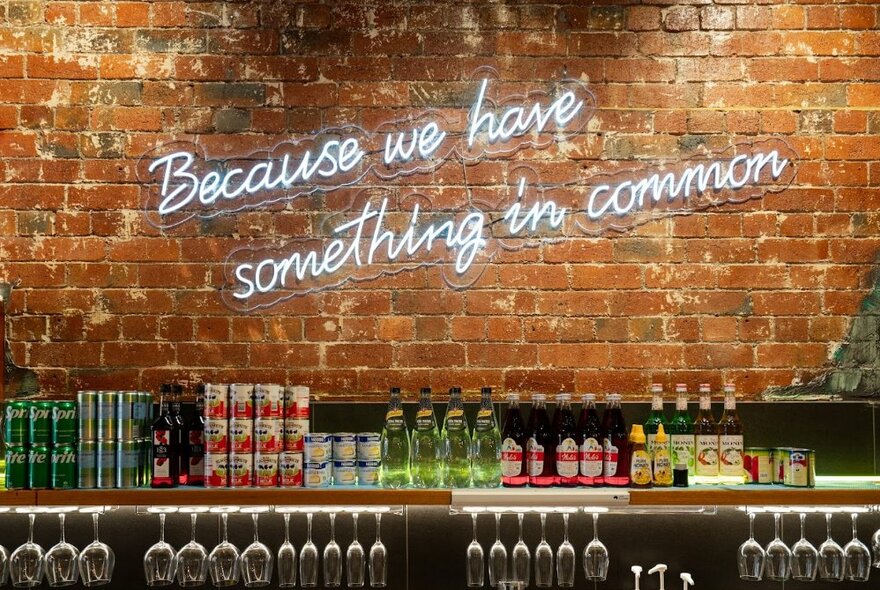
486,449
541,446
426,464
681,431
706,439
730,440
615,444
456,442
565,437
656,417
589,443
514,464
395,470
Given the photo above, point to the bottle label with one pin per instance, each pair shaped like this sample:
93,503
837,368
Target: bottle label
683,450
196,443
649,444
640,467
425,420
662,467
535,457
731,454
161,453
707,454
394,420
590,458
610,455
485,419
567,458
511,458
454,419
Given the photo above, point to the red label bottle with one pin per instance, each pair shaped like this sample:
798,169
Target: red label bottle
565,431
514,440
615,444
181,440
589,438
163,433
196,454
541,449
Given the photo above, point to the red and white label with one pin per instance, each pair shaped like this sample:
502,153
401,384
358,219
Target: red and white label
567,458
610,457
266,470
267,435
268,401
216,401
241,435
241,470
290,470
294,431
511,458
216,470
216,435
590,458
535,457
241,399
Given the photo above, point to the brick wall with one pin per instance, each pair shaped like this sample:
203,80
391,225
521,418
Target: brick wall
757,293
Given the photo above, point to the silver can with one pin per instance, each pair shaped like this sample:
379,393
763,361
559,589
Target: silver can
344,446
317,447
106,415
368,473
368,446
128,459
87,464
317,474
106,464
87,415
129,423
345,473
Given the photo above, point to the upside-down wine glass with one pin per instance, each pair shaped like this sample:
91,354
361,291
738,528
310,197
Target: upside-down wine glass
286,558
750,556
777,566
62,568
192,560
223,560
160,560
804,557
378,559
596,555
857,555
256,560
355,564
332,558
308,558
26,562
520,556
497,556
565,558
475,572
831,557
543,558
96,561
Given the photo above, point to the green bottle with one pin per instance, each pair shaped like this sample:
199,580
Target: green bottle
681,431
394,472
456,443
655,418
486,453
426,460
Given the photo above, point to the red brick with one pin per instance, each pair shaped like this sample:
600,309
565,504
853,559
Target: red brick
430,354
358,355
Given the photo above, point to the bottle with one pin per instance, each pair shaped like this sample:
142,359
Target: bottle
706,440
394,471
615,444
541,449
589,437
426,463
514,467
662,459
163,432
640,461
730,440
456,443
565,433
681,429
486,447
656,417
196,438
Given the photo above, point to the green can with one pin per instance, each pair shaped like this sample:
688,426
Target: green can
39,461
41,423
106,415
106,464
87,464
128,419
128,458
64,423
16,467
18,415
63,467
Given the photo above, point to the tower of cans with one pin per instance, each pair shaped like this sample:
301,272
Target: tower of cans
40,444
113,449
254,434
341,459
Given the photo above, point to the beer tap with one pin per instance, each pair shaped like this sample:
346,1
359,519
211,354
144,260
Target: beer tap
637,572
661,568
686,580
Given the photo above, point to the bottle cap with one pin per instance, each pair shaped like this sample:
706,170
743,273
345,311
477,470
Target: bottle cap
486,390
395,391
705,388
426,390
661,434
637,434
454,391
656,388
514,397
613,397
729,388
588,397
681,388
563,397
539,397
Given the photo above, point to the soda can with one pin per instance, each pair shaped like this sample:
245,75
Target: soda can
128,455
757,465
241,470
368,473
64,423
266,470
368,446
18,416
146,413
290,470
127,411
799,469
63,470
289,403
216,470
778,459
317,474
216,435
317,447
268,401
301,399
106,415
344,446
345,473
17,467
87,414
241,435
106,461
40,430
241,398
216,400
40,467
267,435
294,431
87,464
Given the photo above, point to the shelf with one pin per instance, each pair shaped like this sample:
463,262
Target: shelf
756,496
18,498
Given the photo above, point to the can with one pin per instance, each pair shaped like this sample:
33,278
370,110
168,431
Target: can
266,470
106,462
127,410
216,400
87,464
268,435
64,423
40,467
128,454
301,399
241,470
241,435
345,473
344,446
241,399
87,414
368,473
778,458
290,470
63,470
216,435
18,415
294,431
368,446
317,447
758,465
268,400
40,428
216,470
17,467
146,412
800,469
105,415
316,474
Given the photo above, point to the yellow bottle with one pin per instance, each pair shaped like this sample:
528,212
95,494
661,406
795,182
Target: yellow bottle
640,460
662,459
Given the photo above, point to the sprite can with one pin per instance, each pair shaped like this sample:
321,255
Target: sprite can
16,467
40,467
87,414
106,415
64,423
87,464
18,415
41,423
128,456
63,467
106,464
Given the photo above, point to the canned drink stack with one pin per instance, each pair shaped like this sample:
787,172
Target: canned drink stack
106,416
40,427
63,470
64,424
87,464
87,414
17,429
129,423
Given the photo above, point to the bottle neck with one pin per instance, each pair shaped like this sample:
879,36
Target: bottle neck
681,403
454,402
730,402
425,402
705,402
394,402
657,402
485,401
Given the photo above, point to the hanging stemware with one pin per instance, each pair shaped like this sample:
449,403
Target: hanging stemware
497,556
565,558
286,558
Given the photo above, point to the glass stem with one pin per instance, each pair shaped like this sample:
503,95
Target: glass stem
354,526
224,518
193,523
309,527
595,526
94,525
751,525
803,519
565,527
543,526
332,527
474,521
855,519
828,525
31,518
498,527
378,527
256,518
776,520
162,527
287,527
519,518
61,518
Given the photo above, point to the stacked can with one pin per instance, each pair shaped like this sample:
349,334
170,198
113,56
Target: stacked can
40,438
296,426
369,456
342,458
217,412
132,409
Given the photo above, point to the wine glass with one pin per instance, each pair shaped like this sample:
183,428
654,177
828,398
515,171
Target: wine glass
857,555
565,559
354,558
286,558
26,562
831,557
378,559
96,561
475,566
308,558
332,558
61,560
804,557
497,556
750,558
192,560
160,560
223,560
4,564
875,544
596,555
778,561
520,556
256,560
543,558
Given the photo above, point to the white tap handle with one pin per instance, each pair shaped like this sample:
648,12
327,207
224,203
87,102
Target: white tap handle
686,580
637,570
661,568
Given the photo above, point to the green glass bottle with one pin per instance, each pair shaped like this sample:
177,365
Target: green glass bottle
456,441
426,460
681,431
655,418
395,469
486,455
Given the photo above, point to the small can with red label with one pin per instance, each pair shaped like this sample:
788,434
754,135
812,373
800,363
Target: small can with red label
216,470
241,399
296,402
216,400
241,470
268,401
241,435
216,435
290,470
268,434
294,431
266,470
